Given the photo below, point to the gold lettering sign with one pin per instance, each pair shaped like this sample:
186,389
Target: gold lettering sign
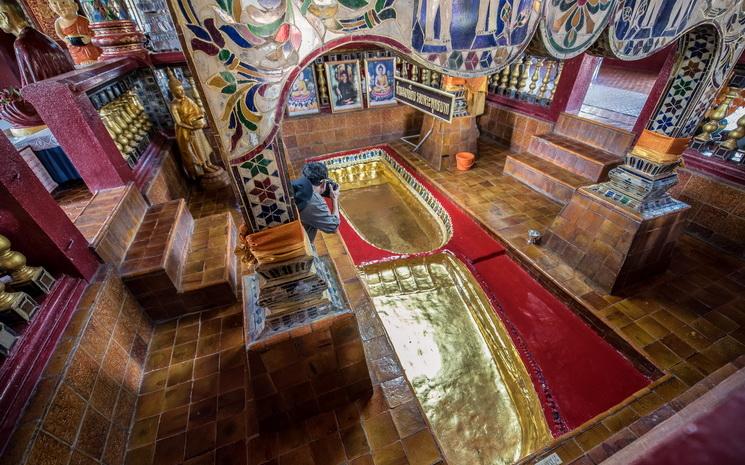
432,101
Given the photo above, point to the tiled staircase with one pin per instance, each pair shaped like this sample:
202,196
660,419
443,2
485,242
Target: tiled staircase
172,263
578,152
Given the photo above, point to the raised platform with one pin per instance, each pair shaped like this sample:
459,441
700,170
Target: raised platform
178,265
578,152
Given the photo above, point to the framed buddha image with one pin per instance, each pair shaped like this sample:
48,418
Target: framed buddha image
380,79
303,98
345,88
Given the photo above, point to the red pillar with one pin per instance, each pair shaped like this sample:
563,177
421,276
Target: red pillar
36,226
574,81
80,132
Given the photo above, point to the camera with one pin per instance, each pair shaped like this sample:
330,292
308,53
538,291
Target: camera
330,185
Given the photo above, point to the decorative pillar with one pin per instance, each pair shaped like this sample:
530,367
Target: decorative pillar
459,135
622,231
303,344
35,224
658,88
114,32
90,148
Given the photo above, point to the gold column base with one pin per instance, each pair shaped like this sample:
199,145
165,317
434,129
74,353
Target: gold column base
8,339
16,307
37,283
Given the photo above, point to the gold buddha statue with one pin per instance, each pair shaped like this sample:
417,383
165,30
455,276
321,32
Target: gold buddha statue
190,122
73,29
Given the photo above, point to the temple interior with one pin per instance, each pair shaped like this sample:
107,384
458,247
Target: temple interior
345,232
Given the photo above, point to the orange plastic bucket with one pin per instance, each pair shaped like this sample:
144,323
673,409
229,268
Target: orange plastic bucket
464,160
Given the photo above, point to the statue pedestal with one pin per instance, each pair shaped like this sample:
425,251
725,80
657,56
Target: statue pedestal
614,245
215,181
306,361
447,139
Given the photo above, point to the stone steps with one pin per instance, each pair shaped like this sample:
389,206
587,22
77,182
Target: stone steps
177,265
579,158
594,133
578,152
110,221
543,176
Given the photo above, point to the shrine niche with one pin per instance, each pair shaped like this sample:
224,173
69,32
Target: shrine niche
248,56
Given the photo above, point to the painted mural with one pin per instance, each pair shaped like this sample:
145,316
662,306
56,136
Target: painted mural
571,26
248,52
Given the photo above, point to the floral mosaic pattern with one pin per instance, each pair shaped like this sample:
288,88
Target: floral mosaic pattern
264,188
569,27
245,51
692,72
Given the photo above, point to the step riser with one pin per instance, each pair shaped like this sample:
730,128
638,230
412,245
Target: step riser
538,181
154,262
592,133
593,170
199,271
122,220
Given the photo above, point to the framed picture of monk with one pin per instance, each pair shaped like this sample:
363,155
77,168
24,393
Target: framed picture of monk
345,85
380,76
303,98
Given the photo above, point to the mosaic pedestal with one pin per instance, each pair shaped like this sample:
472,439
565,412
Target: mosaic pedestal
306,362
612,244
447,139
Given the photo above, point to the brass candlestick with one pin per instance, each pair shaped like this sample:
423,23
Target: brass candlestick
32,279
16,306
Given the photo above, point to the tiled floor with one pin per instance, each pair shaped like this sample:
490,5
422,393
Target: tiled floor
73,200
195,405
689,321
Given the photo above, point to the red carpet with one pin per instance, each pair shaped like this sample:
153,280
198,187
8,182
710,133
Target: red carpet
576,374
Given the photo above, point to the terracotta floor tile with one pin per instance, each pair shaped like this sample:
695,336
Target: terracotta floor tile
144,432
408,419
170,451
421,449
203,412
328,450
65,414
392,454
173,422
355,442
232,454
380,430
321,425
201,440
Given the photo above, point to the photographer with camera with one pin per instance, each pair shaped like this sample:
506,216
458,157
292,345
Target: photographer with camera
309,191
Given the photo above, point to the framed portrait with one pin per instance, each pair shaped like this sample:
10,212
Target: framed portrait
380,81
303,98
345,88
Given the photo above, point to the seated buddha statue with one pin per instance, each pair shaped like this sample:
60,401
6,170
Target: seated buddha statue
74,31
39,57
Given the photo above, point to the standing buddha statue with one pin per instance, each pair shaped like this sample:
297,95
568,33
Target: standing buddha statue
190,122
39,57
73,29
